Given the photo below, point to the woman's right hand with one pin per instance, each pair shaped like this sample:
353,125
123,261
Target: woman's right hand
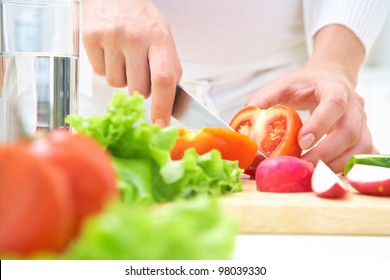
130,43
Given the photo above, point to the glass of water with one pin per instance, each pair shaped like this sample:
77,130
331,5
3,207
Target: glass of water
39,52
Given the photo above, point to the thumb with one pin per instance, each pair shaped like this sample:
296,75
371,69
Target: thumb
269,95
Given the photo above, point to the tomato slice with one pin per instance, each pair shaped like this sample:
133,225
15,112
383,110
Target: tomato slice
87,167
36,207
274,130
244,119
232,145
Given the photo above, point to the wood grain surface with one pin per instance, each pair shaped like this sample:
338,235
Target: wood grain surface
305,213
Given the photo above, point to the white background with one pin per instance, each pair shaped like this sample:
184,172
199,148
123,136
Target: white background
374,86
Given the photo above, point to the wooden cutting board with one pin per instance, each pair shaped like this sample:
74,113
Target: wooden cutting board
305,213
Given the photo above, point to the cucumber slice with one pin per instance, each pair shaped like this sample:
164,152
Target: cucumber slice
367,159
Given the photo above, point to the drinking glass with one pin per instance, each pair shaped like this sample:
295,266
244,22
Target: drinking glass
39,53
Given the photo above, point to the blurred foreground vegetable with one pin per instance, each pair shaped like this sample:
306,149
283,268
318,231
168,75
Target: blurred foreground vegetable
67,216
88,168
48,187
36,207
191,229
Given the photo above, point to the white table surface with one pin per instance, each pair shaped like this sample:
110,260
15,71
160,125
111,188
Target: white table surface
305,247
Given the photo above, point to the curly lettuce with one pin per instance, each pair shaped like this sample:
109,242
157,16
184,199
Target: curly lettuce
186,230
141,156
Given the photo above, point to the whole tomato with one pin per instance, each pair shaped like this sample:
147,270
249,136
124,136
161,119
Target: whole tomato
274,130
87,167
36,207
232,145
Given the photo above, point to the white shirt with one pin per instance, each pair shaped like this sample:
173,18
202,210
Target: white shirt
232,32
230,48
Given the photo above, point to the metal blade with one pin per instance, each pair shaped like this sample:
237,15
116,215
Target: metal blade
193,114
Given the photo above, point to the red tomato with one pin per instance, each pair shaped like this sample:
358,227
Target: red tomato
232,145
275,130
86,165
36,207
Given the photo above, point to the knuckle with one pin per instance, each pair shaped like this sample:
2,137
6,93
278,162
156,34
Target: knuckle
360,101
164,79
116,33
353,135
366,144
366,148
91,37
132,37
339,101
158,33
179,72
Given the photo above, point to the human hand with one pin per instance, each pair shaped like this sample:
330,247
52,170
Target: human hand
130,42
337,111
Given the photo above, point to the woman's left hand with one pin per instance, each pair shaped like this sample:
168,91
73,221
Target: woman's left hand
337,112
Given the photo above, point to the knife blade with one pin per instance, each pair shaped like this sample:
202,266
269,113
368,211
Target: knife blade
194,115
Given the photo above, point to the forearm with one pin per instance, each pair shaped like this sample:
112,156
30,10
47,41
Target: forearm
338,47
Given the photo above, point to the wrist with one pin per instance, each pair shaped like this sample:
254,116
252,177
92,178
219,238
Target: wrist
330,65
337,49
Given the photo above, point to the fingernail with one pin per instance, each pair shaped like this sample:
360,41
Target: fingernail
307,141
160,122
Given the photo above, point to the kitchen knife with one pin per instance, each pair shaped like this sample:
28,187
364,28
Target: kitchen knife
194,115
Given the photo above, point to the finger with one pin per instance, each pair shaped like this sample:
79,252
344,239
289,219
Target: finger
333,102
164,79
137,71
95,52
364,146
291,90
269,95
345,135
96,58
115,68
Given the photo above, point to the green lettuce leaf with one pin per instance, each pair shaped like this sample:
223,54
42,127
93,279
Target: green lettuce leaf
123,131
191,229
141,156
205,174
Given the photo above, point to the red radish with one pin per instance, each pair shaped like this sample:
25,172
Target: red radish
326,183
284,174
370,179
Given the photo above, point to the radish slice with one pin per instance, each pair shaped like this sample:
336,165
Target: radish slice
326,183
370,179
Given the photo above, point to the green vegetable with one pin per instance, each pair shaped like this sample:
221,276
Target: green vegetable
141,156
367,159
207,173
194,229
123,131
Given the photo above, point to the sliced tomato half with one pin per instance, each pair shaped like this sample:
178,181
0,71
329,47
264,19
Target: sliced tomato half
232,145
274,130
